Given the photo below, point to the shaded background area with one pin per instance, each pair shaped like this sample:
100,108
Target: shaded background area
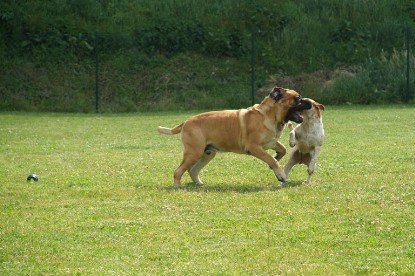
126,56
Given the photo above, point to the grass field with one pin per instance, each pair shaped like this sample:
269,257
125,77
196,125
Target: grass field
104,203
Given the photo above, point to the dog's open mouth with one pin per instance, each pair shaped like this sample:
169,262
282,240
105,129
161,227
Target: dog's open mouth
294,112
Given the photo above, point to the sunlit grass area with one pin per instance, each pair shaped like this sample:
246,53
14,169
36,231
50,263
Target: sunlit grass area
105,203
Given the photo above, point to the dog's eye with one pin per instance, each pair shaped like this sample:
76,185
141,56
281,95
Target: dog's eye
298,99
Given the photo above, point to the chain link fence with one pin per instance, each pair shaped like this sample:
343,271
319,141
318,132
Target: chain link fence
153,70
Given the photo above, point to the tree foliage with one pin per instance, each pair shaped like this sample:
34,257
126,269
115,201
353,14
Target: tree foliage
290,37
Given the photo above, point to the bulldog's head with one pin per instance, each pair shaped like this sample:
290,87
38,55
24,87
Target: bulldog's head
313,112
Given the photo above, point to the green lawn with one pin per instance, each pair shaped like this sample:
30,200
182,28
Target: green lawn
105,203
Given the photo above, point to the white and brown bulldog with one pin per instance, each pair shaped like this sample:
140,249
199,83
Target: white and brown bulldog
250,131
306,138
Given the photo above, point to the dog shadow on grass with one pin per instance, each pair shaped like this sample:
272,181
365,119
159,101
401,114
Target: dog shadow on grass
226,187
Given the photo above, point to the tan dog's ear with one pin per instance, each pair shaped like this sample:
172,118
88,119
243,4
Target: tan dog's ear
320,106
277,93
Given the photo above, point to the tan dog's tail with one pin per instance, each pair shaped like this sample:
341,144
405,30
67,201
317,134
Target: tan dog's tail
171,131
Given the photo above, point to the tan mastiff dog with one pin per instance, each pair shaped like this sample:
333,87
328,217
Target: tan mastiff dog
250,131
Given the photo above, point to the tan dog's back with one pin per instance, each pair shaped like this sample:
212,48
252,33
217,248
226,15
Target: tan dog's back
210,127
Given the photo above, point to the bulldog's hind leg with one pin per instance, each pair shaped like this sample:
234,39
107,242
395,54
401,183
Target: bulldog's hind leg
294,158
202,162
312,163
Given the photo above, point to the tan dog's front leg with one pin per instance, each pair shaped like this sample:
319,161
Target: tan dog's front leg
260,153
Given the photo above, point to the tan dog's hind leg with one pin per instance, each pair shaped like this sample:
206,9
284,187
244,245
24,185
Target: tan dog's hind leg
193,148
203,161
189,160
260,153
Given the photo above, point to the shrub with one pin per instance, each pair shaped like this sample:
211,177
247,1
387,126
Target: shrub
380,80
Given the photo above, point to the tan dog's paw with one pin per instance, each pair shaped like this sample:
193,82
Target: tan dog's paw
290,126
280,174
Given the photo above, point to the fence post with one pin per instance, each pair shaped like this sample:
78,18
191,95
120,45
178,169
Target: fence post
96,73
407,95
253,55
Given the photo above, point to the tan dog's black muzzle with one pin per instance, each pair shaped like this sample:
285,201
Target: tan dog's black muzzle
298,100
293,113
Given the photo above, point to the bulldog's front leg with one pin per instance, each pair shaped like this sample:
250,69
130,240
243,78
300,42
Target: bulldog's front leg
292,135
280,151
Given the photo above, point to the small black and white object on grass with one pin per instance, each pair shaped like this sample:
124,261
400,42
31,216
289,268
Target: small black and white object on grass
32,177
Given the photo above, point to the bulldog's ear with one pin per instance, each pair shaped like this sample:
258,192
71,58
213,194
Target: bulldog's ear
320,106
277,93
